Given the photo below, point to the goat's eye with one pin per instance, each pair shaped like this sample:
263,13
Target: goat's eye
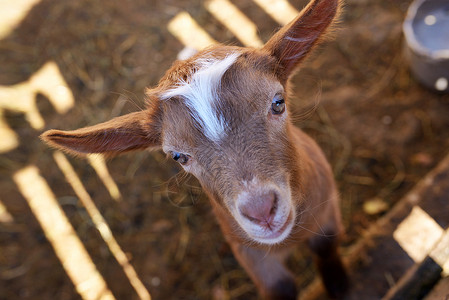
180,157
278,105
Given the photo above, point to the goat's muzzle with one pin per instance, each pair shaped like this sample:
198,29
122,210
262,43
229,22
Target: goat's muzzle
265,213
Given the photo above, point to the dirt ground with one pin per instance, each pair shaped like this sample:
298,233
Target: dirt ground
381,130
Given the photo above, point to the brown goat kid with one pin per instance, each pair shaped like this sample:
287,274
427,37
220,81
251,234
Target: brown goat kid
222,115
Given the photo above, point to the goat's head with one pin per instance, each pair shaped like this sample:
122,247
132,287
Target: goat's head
222,115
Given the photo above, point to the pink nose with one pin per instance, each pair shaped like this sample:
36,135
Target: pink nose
260,208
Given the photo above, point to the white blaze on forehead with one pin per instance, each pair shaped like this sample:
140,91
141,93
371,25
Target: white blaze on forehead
201,93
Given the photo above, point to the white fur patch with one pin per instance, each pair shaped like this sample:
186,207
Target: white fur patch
200,95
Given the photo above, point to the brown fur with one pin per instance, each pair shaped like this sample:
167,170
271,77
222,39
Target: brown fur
262,157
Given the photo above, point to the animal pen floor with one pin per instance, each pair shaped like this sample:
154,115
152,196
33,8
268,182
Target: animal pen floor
67,64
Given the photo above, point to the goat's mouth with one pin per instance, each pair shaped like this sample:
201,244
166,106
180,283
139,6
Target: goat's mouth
265,212
275,233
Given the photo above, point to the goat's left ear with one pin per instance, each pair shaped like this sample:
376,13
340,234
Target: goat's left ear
292,42
134,131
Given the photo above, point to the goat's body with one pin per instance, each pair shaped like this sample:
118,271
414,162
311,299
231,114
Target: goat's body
318,225
222,115
320,209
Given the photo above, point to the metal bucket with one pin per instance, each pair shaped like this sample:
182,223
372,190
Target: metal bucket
426,30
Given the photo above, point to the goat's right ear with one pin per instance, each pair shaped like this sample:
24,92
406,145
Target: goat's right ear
134,131
295,40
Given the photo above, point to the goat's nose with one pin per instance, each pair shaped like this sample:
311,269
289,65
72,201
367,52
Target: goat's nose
260,208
